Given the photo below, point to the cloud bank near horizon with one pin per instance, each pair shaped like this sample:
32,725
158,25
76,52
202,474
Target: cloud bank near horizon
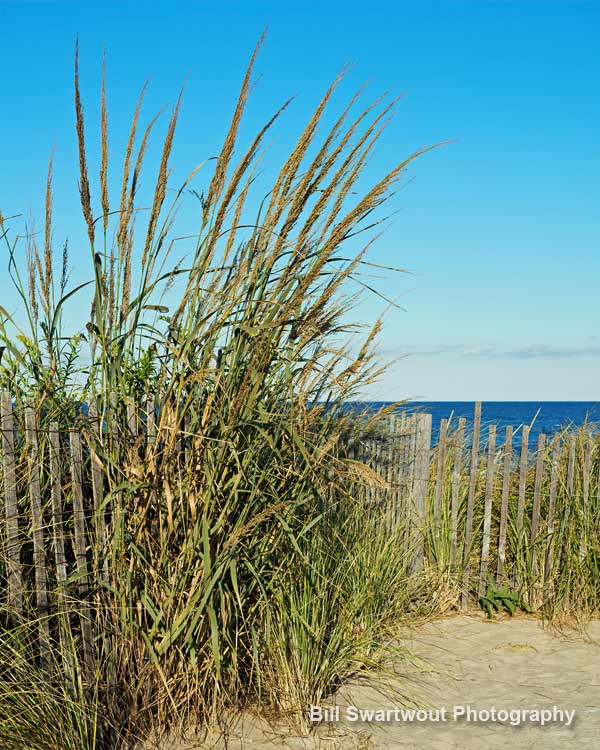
531,351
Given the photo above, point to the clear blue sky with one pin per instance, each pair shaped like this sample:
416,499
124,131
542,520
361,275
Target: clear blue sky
501,229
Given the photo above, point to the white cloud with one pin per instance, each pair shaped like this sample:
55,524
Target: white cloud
531,351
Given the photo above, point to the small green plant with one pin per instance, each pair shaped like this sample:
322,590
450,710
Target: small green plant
501,600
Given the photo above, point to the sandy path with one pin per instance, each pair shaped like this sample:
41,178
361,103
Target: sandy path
509,664
512,664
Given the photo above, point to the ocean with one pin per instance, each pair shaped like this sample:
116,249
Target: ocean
546,417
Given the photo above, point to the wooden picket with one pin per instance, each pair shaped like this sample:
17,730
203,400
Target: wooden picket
522,478
471,504
11,508
37,529
537,491
556,450
440,474
80,539
456,477
504,506
420,482
487,513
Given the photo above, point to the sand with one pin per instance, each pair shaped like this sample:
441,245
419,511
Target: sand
508,664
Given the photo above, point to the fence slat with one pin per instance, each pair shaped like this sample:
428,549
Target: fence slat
403,460
37,530
368,448
522,478
390,457
59,539
395,458
456,475
57,507
504,504
11,510
405,486
571,466
441,457
187,436
412,451
556,452
150,419
487,511
98,490
570,476
471,504
587,457
402,494
132,425
81,554
421,476
537,490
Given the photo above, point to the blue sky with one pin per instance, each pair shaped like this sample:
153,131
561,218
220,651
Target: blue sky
500,229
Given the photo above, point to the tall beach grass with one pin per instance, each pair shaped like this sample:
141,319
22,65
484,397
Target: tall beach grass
239,571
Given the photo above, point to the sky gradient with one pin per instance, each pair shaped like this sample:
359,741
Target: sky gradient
500,229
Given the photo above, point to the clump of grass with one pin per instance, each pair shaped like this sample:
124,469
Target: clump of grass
336,608
239,343
44,705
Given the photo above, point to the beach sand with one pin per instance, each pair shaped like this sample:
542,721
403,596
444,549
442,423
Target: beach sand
512,663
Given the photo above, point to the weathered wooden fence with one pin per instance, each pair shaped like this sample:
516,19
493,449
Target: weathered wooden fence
482,513
472,512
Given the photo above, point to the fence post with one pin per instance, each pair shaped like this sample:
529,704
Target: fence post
420,482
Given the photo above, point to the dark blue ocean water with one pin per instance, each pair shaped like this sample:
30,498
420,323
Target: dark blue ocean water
543,416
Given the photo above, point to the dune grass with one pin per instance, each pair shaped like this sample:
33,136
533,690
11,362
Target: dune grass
44,704
554,569
337,614
237,572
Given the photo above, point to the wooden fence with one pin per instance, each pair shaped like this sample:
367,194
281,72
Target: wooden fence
482,510
473,512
